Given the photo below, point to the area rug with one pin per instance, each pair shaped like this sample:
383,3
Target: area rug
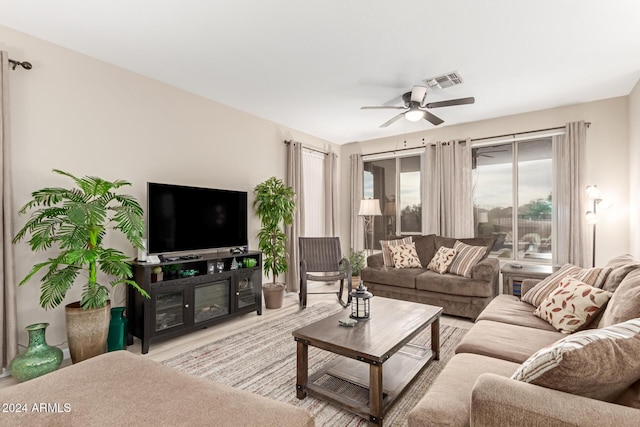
262,360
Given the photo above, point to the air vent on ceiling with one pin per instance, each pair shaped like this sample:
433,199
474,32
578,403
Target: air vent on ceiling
445,81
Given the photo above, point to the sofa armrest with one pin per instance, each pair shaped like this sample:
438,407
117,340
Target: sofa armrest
488,270
501,401
375,260
527,284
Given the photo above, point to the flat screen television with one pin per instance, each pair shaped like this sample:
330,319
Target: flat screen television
181,218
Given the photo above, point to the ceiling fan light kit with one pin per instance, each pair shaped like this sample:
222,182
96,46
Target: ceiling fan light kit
414,115
416,108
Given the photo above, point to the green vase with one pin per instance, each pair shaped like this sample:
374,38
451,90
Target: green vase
118,329
39,359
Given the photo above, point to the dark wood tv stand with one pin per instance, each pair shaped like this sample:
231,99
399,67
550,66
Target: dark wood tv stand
192,294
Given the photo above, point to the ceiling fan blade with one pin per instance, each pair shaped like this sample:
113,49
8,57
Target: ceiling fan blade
450,102
393,119
434,120
418,93
382,107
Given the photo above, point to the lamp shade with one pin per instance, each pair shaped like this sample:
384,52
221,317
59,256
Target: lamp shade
593,192
369,207
483,217
390,208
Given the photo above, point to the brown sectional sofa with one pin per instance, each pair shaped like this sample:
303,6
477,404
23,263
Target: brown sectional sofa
123,389
475,388
457,295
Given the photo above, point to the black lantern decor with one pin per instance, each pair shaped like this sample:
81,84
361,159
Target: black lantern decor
360,303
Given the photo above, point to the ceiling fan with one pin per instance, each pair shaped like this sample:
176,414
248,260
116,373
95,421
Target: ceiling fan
416,108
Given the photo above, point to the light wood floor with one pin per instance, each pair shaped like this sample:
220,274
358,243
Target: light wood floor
163,350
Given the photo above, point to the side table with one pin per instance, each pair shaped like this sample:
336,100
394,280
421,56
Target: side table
512,277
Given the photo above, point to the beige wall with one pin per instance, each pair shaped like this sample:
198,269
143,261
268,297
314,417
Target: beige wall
634,170
607,157
78,114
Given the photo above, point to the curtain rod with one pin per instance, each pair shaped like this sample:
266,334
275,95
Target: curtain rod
24,64
288,142
472,140
523,133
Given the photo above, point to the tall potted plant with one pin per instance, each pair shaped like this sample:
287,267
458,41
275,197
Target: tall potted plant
274,204
75,221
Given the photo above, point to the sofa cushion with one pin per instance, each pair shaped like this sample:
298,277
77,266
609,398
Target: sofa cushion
453,284
405,256
504,341
426,247
572,305
448,400
466,258
401,277
509,309
631,397
625,302
386,252
600,363
442,260
621,266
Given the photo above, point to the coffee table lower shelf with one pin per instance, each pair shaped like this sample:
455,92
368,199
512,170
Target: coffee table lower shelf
345,381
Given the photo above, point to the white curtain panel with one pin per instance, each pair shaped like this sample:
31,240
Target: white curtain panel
295,230
357,192
331,194
569,168
9,317
448,195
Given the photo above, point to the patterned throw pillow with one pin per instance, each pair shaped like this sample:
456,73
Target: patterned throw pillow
467,257
386,252
572,305
597,363
405,256
591,276
442,260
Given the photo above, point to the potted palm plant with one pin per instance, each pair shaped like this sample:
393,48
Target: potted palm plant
356,261
75,221
274,204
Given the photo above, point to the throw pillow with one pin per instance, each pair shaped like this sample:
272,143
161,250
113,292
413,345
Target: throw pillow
541,290
597,363
625,302
442,260
593,276
405,256
467,257
572,305
386,252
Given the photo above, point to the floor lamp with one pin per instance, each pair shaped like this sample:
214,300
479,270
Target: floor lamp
592,216
368,209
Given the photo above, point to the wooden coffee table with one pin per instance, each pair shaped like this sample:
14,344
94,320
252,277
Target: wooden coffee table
382,340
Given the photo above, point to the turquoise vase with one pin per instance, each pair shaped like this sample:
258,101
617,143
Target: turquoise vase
39,359
118,329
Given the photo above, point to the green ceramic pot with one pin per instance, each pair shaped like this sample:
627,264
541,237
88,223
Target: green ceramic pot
39,359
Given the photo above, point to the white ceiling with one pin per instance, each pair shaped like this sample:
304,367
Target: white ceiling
310,65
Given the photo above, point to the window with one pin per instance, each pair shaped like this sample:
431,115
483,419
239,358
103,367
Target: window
313,179
396,182
515,174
